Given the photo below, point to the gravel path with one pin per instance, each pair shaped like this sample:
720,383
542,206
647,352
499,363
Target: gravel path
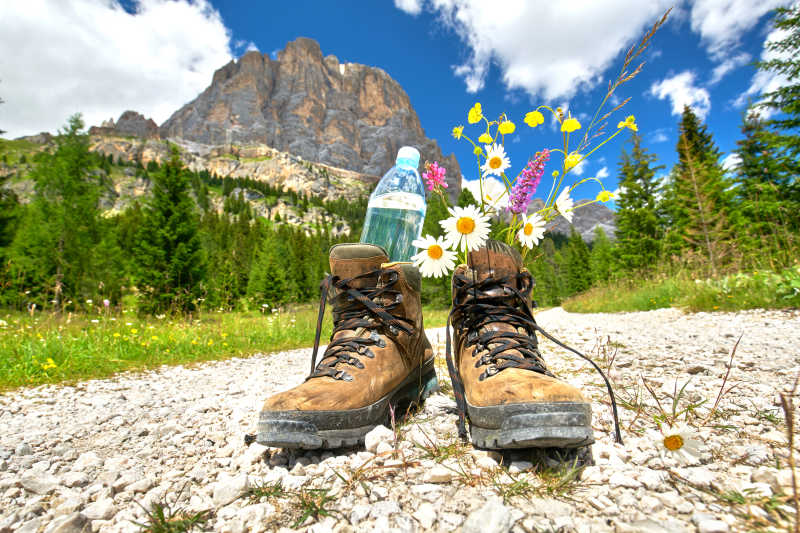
93,457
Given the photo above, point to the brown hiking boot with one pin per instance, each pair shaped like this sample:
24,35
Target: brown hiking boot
499,377
378,356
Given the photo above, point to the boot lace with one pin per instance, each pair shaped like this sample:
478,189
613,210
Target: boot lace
355,308
479,303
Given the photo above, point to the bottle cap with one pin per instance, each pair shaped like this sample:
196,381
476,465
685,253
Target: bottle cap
408,156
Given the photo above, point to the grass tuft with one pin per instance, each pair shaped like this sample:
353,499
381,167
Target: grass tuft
165,518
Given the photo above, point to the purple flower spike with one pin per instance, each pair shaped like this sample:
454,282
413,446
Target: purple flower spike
523,190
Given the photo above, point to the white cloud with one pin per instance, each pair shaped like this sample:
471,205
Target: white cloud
731,161
766,81
658,135
602,173
579,168
728,65
490,185
92,56
412,7
681,90
548,49
720,23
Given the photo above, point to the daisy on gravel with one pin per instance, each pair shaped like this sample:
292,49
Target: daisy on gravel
434,260
532,230
466,229
496,160
564,204
679,441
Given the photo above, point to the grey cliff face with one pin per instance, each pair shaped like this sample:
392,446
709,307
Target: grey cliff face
348,116
586,219
130,124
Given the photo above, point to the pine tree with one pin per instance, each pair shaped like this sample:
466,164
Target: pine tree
52,252
601,258
8,213
785,127
466,198
436,212
764,208
268,282
579,276
639,220
170,263
698,197
547,273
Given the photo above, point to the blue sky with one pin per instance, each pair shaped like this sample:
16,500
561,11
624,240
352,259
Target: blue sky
154,55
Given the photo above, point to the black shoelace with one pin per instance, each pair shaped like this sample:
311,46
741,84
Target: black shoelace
353,309
478,303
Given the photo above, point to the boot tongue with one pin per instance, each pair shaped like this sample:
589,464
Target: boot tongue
351,260
495,259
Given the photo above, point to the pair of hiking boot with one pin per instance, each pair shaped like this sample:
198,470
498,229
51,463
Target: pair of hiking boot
380,358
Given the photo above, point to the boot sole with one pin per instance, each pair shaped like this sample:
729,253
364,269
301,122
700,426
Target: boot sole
310,430
531,425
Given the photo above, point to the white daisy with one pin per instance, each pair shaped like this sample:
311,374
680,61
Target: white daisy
564,204
496,160
435,259
466,229
532,230
679,441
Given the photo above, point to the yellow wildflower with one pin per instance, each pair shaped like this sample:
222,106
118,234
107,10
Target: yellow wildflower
116,335
134,331
485,138
210,342
571,160
570,125
154,337
475,114
534,118
604,196
555,173
477,150
49,364
457,131
629,123
506,127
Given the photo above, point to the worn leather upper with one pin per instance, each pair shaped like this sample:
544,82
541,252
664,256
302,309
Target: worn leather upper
391,363
509,385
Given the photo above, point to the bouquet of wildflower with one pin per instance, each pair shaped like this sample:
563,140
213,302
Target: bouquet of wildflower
468,228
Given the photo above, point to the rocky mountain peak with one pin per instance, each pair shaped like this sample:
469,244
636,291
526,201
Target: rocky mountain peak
129,124
345,115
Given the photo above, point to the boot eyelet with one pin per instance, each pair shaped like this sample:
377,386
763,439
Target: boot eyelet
399,299
393,330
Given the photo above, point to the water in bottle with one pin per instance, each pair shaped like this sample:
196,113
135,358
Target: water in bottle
396,208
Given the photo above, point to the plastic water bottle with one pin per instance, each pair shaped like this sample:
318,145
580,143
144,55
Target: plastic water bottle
396,208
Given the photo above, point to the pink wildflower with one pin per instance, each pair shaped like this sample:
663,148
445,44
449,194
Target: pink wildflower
524,188
434,175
